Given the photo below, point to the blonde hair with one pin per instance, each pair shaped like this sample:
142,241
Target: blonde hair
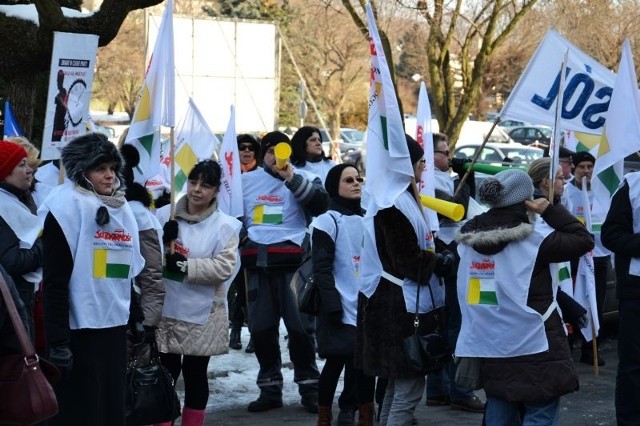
32,152
539,169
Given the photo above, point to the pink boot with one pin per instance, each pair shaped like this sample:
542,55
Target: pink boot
192,417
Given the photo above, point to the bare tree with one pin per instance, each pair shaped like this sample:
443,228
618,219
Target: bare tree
333,63
31,44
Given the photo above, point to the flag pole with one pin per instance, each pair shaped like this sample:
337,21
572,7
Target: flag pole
554,147
172,196
594,346
476,155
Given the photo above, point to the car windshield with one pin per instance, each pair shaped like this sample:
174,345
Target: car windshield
352,136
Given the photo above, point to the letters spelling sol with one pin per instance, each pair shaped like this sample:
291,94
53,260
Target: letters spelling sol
592,117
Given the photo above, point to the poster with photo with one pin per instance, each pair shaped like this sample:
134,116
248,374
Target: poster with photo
72,65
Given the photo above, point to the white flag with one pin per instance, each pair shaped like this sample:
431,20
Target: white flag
194,141
620,138
156,101
388,161
586,93
424,136
230,195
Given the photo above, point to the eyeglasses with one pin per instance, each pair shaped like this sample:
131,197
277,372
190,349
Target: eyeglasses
423,161
246,148
565,161
442,152
352,179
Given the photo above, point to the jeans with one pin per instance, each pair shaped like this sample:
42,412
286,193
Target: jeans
400,401
499,412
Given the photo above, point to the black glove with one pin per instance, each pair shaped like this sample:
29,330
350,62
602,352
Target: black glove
61,357
445,261
150,334
572,312
175,263
457,165
170,231
137,332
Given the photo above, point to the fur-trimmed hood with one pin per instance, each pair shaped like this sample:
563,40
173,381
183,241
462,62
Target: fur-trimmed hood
490,232
87,152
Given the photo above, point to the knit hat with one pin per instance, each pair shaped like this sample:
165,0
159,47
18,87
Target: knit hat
332,181
272,139
87,152
506,188
581,156
247,138
562,152
10,156
415,150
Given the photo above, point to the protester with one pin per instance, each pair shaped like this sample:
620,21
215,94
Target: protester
278,205
441,386
248,147
407,253
583,167
621,235
194,317
336,252
148,291
39,190
565,161
91,254
20,247
513,324
307,153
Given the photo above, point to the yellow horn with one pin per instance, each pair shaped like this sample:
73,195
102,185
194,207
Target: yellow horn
282,152
451,210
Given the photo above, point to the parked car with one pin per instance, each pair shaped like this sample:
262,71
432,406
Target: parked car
513,123
500,154
538,136
350,139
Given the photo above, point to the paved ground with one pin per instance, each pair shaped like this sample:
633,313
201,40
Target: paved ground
592,405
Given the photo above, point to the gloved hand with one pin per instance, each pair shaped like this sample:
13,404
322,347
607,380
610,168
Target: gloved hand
150,334
137,332
445,261
170,231
175,263
457,165
61,357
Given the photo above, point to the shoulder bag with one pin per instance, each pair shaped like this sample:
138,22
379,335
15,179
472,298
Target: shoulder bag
426,353
26,395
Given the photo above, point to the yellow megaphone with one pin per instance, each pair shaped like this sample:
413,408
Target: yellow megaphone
282,151
453,211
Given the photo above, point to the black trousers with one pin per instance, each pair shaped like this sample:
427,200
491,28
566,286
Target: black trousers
628,376
94,393
194,373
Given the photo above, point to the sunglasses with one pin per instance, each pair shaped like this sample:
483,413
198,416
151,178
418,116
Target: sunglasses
246,148
352,179
442,152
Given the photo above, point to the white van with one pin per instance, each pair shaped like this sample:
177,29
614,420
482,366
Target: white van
472,131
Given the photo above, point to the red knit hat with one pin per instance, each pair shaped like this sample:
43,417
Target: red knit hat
10,155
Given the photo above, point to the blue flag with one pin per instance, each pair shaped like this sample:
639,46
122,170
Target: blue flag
11,127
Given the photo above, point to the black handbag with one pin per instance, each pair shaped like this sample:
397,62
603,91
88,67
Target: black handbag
150,396
305,288
426,353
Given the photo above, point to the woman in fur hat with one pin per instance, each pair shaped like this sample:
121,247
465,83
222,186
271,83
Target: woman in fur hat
92,253
194,320
509,313
20,247
307,153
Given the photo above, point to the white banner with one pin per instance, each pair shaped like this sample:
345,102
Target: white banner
72,64
587,91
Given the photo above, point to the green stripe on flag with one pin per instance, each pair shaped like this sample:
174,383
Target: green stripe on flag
488,298
385,133
115,270
179,180
173,276
596,227
272,218
610,179
146,142
563,274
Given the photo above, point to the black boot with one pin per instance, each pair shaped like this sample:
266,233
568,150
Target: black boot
234,337
250,349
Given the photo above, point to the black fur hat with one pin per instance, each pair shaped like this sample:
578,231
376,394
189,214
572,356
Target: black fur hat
87,152
134,191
